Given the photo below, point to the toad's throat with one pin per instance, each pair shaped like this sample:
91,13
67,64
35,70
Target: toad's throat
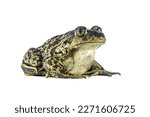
83,59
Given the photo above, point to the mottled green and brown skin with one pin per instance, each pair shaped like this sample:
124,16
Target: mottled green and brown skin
70,55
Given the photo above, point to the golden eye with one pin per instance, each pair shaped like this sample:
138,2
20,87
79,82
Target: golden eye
96,28
80,31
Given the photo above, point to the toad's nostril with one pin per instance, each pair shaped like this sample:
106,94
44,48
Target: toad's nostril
103,39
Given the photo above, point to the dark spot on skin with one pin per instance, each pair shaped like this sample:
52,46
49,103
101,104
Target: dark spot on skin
92,38
55,66
34,58
55,60
84,39
49,62
49,46
64,71
55,42
65,42
52,51
70,40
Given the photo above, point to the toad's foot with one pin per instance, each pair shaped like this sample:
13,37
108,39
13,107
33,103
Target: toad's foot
107,73
97,69
101,72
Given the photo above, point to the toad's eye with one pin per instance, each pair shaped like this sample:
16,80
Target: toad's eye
80,31
96,28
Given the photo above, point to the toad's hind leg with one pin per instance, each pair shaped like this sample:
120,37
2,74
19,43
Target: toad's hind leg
32,71
97,69
32,63
53,67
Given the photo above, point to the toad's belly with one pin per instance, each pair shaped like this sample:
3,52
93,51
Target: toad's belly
83,61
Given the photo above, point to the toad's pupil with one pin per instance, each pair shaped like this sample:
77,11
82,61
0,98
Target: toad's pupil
80,31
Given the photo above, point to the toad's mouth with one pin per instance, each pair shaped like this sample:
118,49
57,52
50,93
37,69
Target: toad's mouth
99,41
90,43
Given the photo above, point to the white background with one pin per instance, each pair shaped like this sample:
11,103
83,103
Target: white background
29,23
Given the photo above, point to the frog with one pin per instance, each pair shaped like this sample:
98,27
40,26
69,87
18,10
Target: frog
69,55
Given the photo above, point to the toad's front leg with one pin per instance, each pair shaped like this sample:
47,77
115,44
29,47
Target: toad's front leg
97,69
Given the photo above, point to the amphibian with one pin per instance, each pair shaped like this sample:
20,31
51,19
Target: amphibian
70,55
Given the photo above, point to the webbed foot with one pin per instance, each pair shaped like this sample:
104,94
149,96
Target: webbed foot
97,69
107,73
